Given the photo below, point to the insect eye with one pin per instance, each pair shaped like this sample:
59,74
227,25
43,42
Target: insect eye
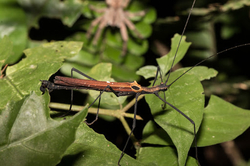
135,87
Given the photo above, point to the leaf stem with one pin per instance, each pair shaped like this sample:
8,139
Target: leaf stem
119,114
131,103
114,113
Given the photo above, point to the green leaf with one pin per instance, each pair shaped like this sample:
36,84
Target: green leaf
201,72
137,48
90,148
150,16
13,25
67,10
235,5
159,156
112,53
186,95
30,137
155,135
147,71
156,151
41,62
144,29
6,48
222,122
136,6
126,72
165,62
85,58
67,66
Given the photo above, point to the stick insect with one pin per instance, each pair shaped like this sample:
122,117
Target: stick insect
124,89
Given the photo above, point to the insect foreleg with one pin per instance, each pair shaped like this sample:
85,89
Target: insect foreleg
79,72
71,91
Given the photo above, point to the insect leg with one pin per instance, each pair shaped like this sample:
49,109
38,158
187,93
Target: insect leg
99,97
71,90
159,71
71,93
133,126
79,72
189,119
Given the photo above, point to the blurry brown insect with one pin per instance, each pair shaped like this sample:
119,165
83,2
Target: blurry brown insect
115,16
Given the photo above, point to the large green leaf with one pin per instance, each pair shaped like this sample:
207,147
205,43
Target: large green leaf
161,156
222,122
157,150
187,95
90,148
41,62
30,137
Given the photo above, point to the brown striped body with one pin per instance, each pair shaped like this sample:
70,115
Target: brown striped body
122,88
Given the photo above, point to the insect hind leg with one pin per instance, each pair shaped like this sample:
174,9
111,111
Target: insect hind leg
79,72
133,127
99,97
189,119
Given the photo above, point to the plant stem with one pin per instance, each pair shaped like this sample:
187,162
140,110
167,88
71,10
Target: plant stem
131,103
114,113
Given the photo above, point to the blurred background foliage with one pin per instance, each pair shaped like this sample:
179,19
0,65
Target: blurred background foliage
214,25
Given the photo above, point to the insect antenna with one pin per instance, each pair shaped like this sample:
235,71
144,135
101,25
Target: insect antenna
164,100
178,46
218,53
